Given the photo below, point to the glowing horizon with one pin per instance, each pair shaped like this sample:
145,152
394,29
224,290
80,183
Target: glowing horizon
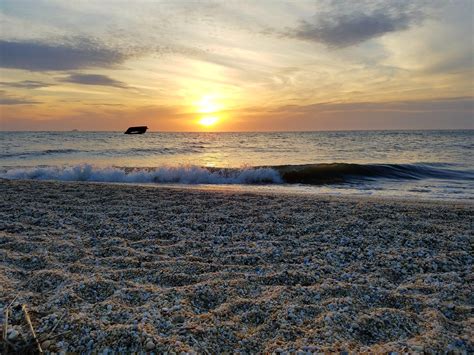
265,66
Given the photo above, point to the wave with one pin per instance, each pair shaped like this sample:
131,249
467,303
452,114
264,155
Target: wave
162,150
107,152
311,174
40,153
180,175
318,174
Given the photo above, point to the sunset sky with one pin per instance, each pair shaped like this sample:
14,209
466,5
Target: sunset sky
236,65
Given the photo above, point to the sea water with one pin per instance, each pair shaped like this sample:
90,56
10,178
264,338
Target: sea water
413,164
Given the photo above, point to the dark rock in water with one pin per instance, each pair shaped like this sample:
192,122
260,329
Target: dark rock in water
136,130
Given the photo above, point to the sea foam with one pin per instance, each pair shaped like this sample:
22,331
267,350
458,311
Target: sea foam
308,174
180,175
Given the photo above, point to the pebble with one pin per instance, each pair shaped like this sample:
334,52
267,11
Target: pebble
418,348
46,344
149,345
13,334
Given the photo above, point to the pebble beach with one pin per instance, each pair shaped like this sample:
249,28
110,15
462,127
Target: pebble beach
104,267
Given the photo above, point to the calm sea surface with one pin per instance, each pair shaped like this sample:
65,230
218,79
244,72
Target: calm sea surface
418,164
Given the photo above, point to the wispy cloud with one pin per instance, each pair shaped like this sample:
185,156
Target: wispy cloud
337,30
416,114
25,84
8,99
94,79
38,56
458,104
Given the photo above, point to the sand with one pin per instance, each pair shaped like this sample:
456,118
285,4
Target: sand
168,269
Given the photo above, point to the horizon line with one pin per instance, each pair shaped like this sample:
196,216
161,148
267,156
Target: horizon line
263,131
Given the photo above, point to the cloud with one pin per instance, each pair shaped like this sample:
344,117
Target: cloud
94,79
340,30
453,104
396,115
8,99
77,54
26,84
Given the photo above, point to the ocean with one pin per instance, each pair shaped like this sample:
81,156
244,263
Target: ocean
406,164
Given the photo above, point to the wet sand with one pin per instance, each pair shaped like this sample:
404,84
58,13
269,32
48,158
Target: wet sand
166,269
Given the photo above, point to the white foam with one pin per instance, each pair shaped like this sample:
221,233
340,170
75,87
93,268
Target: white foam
180,175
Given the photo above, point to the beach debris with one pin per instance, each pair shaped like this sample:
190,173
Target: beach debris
15,337
32,330
19,334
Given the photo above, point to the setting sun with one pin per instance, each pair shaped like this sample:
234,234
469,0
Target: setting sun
208,121
207,104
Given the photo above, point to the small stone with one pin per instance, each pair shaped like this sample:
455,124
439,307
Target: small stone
179,319
13,334
150,345
418,348
46,344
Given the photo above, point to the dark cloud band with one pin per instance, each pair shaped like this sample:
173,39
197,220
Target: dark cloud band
36,56
342,30
94,79
8,99
26,84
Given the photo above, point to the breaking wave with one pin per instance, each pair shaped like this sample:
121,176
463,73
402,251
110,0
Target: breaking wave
181,175
311,174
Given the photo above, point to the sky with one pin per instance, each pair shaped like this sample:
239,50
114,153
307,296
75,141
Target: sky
236,65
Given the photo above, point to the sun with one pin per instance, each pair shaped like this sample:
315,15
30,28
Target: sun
207,104
208,121
209,109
